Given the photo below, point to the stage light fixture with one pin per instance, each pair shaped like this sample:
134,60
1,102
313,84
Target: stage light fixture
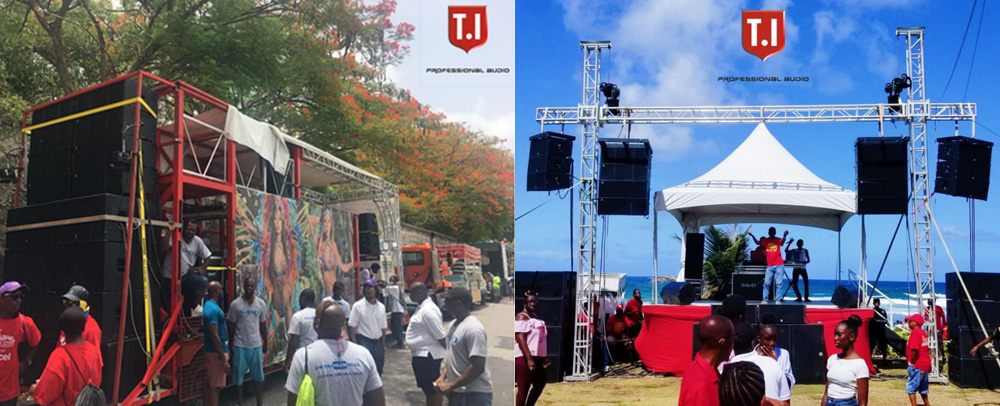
611,94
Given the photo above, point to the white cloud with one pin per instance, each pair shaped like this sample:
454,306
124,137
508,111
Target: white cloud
499,124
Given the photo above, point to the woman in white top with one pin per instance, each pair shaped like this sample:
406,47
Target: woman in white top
529,352
846,372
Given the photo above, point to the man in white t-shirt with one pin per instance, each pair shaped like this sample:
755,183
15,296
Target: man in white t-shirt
192,248
367,326
338,298
396,304
775,384
342,373
247,323
426,338
466,378
300,330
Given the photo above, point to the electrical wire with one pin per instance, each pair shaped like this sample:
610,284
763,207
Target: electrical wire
975,48
987,129
962,45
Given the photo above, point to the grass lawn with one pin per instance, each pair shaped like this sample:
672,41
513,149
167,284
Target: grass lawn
888,389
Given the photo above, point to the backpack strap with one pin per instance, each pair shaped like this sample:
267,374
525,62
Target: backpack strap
85,379
307,359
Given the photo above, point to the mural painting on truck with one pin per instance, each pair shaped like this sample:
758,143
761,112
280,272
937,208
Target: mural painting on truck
291,246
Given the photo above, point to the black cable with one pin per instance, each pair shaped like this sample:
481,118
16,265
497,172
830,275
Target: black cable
529,211
572,248
975,48
962,45
987,129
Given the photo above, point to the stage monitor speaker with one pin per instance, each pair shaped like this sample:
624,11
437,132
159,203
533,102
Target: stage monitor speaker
677,293
624,177
845,298
963,167
981,285
972,372
546,284
785,313
550,163
749,285
694,256
883,175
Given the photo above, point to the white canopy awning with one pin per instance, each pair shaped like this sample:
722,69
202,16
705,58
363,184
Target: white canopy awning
760,182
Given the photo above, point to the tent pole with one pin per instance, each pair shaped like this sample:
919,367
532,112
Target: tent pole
656,273
839,255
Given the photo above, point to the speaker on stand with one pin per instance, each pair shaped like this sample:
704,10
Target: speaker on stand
694,259
883,175
623,187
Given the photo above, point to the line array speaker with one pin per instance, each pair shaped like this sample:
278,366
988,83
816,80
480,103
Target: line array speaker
963,167
550,164
368,239
981,285
624,177
883,175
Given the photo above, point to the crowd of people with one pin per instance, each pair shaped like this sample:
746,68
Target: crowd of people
338,345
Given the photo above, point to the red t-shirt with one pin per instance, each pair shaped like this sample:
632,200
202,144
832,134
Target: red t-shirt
13,332
772,248
633,309
61,381
616,325
918,341
700,384
91,334
939,319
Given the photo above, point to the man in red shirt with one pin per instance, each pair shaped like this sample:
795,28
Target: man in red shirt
700,384
617,326
77,296
918,358
15,328
940,322
633,310
70,367
775,265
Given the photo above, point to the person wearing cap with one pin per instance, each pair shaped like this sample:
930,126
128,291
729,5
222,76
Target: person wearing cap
15,328
367,326
466,377
71,367
77,296
918,360
617,325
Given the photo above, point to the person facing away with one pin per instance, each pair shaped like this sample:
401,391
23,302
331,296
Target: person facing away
367,326
213,321
846,371
918,361
734,308
742,384
15,329
775,383
775,265
465,378
425,336
248,331
300,330
70,367
700,384
876,330
397,306
530,350
77,296
801,257
767,336
342,373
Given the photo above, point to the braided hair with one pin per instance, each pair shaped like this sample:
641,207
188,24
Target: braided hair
741,384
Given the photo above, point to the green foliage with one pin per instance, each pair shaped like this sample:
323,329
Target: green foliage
724,250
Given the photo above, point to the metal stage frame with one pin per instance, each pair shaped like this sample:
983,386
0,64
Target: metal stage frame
915,112
195,161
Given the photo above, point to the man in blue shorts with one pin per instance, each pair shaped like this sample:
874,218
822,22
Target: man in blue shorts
248,331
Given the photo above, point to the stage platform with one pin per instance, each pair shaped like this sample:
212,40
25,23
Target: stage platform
666,340
815,304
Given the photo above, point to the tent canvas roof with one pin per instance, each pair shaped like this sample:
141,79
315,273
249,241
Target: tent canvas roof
759,182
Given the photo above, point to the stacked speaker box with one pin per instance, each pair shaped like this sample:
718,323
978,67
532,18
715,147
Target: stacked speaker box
694,256
368,243
550,164
963,167
805,345
624,177
749,285
883,175
964,331
556,305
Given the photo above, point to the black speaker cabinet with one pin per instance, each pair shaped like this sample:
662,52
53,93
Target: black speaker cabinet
981,285
550,165
694,256
785,313
883,175
546,284
749,285
845,297
368,239
963,167
674,292
807,349
623,188
751,315
973,372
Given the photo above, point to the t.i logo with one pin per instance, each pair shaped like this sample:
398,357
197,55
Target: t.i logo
763,32
467,27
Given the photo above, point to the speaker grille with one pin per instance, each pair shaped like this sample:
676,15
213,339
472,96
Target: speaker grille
624,177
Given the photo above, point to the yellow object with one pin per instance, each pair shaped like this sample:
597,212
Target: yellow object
89,112
307,393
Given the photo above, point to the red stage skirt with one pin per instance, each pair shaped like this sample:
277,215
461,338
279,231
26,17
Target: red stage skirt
666,339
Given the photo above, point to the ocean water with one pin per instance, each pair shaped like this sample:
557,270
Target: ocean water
902,301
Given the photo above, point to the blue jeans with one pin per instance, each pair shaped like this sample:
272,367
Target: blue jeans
842,402
601,351
916,381
470,399
772,272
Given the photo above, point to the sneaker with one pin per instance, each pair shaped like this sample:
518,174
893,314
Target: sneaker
763,302
607,369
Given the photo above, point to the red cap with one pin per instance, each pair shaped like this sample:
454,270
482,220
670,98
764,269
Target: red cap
619,307
917,318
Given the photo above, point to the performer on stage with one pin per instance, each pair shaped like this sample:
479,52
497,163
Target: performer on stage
801,257
775,265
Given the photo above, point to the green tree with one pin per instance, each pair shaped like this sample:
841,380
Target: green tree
724,250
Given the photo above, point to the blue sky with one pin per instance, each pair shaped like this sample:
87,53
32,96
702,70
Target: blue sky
669,53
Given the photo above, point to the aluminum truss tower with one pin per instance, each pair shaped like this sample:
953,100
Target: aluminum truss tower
916,111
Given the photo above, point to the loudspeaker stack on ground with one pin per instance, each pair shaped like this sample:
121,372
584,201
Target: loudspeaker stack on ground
964,332
556,304
80,169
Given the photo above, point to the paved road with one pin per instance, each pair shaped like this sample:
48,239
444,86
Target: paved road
400,386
